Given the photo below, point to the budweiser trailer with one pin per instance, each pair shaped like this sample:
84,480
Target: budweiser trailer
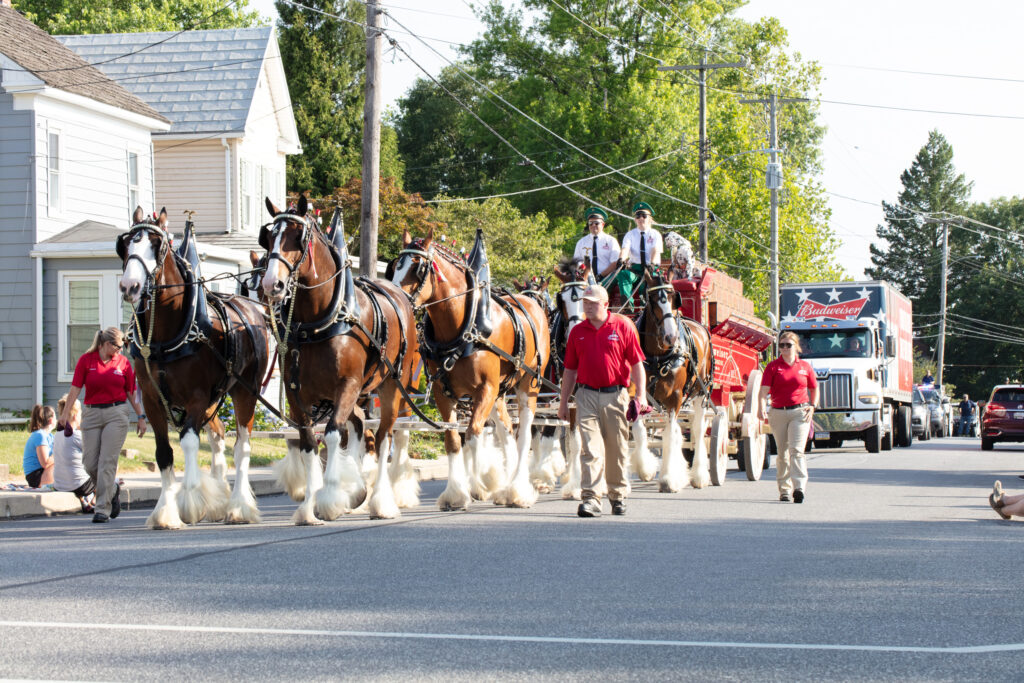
858,338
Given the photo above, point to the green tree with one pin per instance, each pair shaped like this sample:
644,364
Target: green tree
911,258
68,17
607,97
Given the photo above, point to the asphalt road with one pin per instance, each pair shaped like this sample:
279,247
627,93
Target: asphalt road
894,568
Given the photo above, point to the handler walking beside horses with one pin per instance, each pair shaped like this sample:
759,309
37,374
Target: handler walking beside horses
610,348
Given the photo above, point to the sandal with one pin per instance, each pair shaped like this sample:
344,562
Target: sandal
997,491
997,505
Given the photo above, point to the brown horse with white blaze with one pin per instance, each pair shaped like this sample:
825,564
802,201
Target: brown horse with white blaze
191,349
466,361
335,333
680,365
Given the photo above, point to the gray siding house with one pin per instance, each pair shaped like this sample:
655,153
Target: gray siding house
75,155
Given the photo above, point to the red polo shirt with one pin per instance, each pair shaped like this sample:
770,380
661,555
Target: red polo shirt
789,384
104,382
608,352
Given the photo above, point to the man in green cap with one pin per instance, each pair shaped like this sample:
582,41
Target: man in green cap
599,249
641,247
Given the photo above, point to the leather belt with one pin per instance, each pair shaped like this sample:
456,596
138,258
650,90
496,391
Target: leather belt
794,407
104,405
603,390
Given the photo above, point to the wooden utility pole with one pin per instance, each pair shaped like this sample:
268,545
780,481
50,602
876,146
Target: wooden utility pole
942,302
703,146
370,214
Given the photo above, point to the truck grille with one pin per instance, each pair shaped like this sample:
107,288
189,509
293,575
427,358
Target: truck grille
834,393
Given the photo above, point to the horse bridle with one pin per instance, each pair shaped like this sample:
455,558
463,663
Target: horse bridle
426,258
268,238
577,286
660,300
134,234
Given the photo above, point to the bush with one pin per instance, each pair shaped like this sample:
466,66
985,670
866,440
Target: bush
265,421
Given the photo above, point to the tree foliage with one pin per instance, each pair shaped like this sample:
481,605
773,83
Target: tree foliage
69,17
606,97
911,258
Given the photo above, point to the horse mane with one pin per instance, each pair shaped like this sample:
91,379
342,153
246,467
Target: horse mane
452,255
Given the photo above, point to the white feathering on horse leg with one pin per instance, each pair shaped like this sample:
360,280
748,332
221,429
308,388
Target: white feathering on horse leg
474,449
642,461
218,463
491,456
363,460
673,466
290,473
343,487
456,494
520,492
403,474
305,514
542,463
700,473
242,505
382,502
573,488
199,496
165,514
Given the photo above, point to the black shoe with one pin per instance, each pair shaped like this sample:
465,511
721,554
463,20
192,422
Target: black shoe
798,496
115,502
589,508
784,498
100,518
618,507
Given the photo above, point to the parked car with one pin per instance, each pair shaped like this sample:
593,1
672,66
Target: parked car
1004,416
947,410
920,416
938,422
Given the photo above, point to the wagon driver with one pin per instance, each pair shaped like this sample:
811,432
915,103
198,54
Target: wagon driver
599,249
611,348
641,247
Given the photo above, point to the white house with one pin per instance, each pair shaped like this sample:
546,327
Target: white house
75,157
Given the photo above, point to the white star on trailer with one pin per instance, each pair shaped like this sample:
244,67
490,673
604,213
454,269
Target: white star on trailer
803,294
789,318
833,295
864,293
837,340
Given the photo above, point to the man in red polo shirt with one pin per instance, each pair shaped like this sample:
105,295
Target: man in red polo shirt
603,355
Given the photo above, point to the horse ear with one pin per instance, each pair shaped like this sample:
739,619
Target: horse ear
406,238
559,274
271,208
264,238
677,301
162,221
303,205
120,247
429,238
137,216
254,258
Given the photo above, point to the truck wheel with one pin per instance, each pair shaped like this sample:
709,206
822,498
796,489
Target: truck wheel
887,441
986,444
926,435
904,432
873,439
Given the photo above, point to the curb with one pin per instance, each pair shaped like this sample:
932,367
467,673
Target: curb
145,493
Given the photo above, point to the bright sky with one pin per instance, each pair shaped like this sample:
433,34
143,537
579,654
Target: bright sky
862,47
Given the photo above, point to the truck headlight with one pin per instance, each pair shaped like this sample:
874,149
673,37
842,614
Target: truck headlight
867,398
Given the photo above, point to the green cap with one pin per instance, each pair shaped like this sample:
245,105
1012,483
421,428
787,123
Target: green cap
595,211
643,206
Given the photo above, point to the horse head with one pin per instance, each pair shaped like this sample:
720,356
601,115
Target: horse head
415,270
575,276
142,251
251,283
288,240
662,300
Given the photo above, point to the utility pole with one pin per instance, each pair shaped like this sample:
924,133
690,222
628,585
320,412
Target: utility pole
370,213
942,300
773,179
703,145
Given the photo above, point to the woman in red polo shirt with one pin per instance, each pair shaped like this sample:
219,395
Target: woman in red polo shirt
794,391
109,383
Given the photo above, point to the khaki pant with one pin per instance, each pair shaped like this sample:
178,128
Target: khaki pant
790,429
103,434
603,430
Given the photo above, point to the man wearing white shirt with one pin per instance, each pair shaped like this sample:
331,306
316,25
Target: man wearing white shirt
599,249
641,247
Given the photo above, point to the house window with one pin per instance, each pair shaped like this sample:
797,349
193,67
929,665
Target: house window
266,183
88,301
54,196
245,190
133,181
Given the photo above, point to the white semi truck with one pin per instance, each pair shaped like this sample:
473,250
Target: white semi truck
858,337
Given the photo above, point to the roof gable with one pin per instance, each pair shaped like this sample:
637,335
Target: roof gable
203,81
36,51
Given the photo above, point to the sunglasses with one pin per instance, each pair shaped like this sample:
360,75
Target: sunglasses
116,346
786,345
641,214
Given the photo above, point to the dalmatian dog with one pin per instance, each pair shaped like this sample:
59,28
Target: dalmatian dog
684,265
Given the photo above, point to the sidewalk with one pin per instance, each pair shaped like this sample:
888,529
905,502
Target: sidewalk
142,489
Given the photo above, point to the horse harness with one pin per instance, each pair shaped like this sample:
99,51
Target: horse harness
471,337
199,329
683,351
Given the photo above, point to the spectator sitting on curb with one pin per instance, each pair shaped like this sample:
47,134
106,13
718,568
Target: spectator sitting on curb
68,472
37,461
1005,506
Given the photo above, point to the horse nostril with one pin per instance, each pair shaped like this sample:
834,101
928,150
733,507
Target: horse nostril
278,286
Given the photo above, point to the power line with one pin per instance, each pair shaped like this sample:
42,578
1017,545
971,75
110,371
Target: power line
606,37
926,73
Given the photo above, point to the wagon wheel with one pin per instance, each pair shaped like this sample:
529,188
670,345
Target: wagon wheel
754,443
719,455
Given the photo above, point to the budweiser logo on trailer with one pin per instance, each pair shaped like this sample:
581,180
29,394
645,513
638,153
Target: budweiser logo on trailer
844,310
